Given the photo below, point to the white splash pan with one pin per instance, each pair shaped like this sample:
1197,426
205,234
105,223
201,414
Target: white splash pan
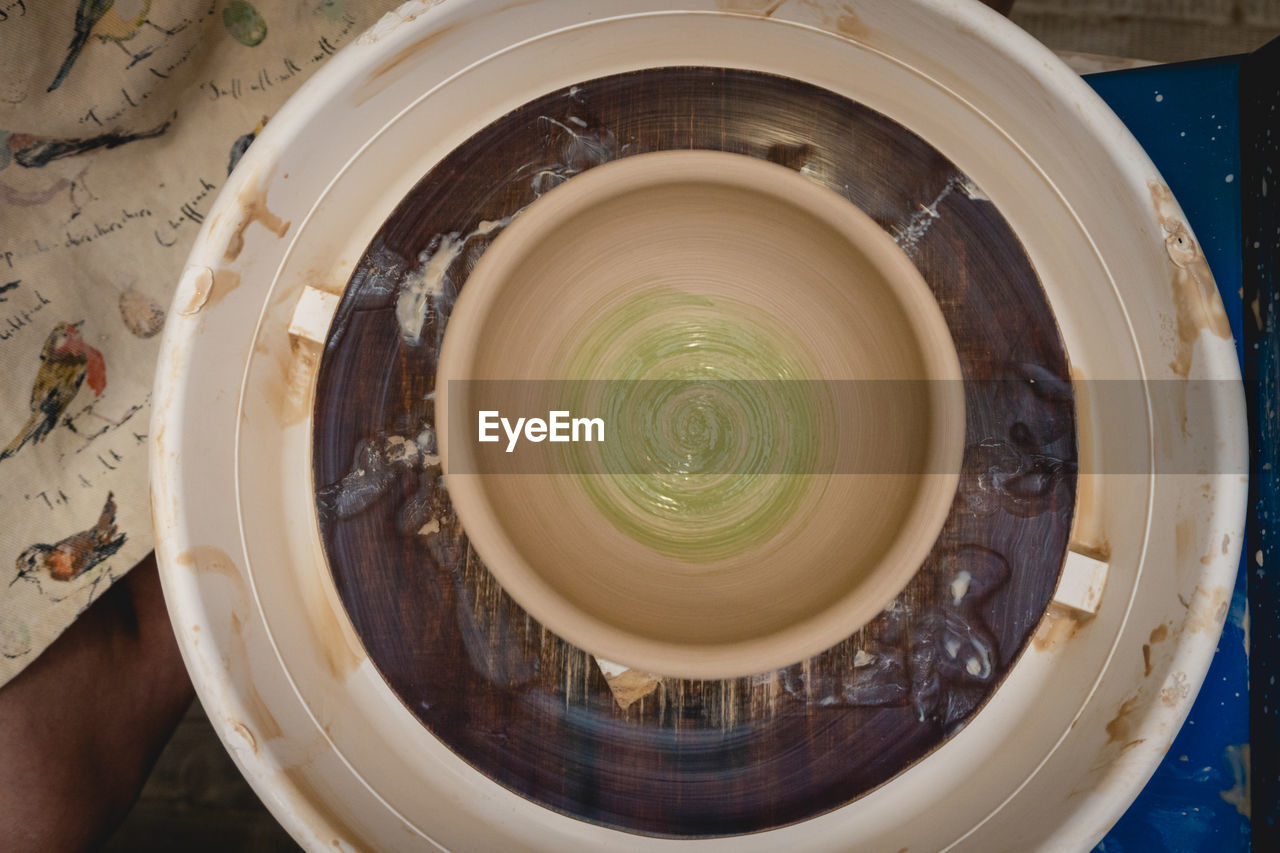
1063,746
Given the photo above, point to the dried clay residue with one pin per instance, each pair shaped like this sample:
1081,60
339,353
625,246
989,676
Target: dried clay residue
1088,527
1207,610
381,77
631,685
251,203
246,734
851,25
427,292
763,8
405,13
1118,729
341,650
1159,635
1175,690
256,710
209,287
1058,625
429,285
1195,295
304,360
207,559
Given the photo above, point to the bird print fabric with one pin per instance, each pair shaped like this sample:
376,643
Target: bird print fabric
71,557
66,363
119,120
88,14
74,570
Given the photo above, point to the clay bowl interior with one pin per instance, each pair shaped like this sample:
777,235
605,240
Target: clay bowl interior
783,416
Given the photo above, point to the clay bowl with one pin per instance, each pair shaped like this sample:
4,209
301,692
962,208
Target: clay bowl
782,414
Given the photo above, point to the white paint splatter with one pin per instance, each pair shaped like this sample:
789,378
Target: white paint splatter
863,658
960,586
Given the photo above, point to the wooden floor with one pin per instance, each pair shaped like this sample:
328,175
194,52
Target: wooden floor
196,800
1160,30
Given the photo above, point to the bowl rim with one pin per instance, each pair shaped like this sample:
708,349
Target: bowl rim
799,639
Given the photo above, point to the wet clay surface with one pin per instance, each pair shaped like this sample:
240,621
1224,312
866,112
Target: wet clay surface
690,758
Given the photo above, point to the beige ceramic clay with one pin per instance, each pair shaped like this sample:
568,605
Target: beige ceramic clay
731,304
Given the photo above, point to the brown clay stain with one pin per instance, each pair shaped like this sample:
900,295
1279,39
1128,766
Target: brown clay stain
1207,610
1058,625
1195,295
206,558
1184,539
1088,528
304,361
251,202
289,391
1118,728
378,81
242,676
1108,757
328,282
246,733
849,24
1257,312
201,287
1159,634
1146,660
224,281
763,8
1209,557
341,650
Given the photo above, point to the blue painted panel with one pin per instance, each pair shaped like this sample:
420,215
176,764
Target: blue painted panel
1187,118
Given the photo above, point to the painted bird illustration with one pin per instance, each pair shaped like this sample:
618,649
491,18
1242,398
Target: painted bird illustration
65,363
108,20
75,555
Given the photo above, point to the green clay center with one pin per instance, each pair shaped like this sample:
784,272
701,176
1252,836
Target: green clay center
714,422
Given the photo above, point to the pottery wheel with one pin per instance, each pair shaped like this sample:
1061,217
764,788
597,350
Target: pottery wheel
639,752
